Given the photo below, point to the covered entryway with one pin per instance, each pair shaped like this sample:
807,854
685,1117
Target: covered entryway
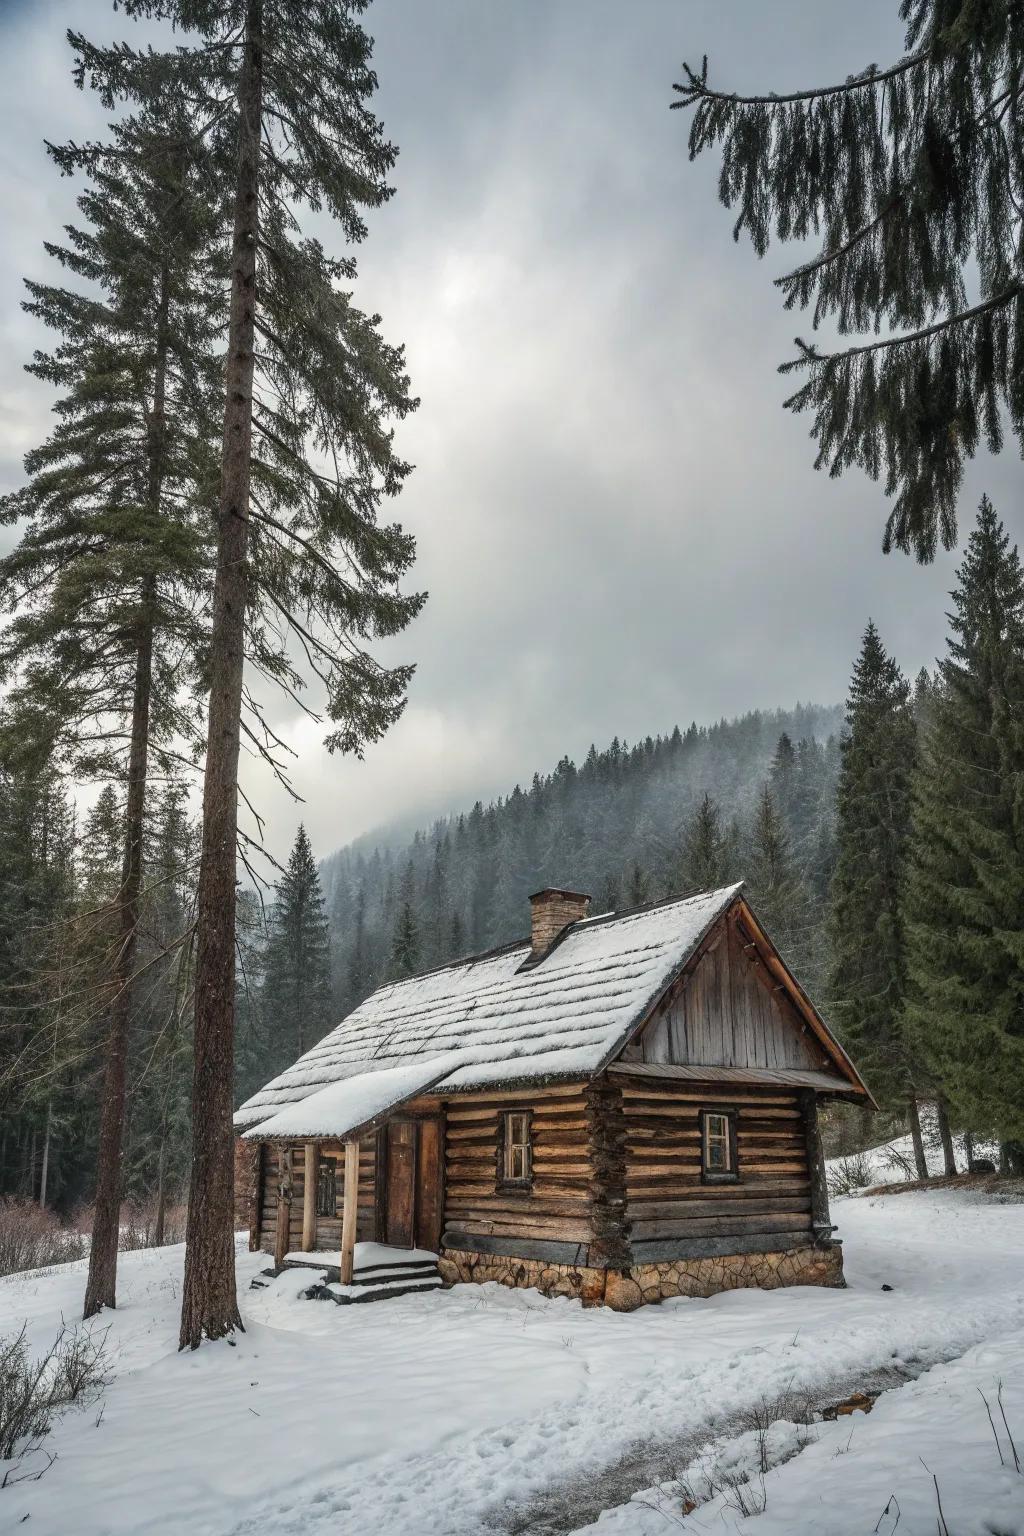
407,1194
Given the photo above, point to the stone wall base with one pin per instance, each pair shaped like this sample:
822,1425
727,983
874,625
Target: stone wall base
626,1289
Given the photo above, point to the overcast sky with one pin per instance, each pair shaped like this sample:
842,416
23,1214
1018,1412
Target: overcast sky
618,525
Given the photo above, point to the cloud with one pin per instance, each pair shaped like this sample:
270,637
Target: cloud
618,525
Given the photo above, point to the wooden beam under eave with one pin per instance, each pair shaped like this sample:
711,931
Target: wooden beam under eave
349,1209
309,1198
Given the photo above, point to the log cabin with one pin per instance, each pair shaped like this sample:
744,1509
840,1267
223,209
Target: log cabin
621,1107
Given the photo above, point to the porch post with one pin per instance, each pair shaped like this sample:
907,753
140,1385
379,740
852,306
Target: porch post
309,1198
820,1219
348,1214
284,1204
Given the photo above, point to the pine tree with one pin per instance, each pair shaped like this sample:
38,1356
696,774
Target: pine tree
774,884
705,848
868,977
44,1036
405,945
296,994
104,647
914,174
310,391
965,898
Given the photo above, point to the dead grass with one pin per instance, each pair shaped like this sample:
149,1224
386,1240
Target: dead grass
1001,1186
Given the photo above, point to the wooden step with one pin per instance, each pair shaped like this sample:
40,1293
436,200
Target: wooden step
384,1291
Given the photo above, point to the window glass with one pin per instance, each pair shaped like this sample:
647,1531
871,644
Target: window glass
717,1143
517,1161
326,1188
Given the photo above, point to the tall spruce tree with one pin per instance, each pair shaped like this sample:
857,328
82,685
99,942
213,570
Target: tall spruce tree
45,1043
405,945
296,992
775,886
913,176
106,579
705,848
868,977
310,390
965,893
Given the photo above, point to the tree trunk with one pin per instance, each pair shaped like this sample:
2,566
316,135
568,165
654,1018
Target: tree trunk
101,1286
161,1192
969,1148
920,1161
209,1303
946,1137
30,1167
44,1175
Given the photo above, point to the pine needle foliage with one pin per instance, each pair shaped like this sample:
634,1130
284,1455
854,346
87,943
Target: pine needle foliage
912,179
965,893
323,570
868,978
114,555
297,970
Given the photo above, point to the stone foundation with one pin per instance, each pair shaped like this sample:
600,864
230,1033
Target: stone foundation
626,1289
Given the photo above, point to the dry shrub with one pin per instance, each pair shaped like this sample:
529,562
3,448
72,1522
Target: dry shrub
73,1370
31,1238
138,1225
847,1174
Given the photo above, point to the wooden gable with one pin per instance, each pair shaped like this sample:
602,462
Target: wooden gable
735,1005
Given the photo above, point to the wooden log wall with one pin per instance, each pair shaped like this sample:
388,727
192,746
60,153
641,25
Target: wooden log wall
671,1212
328,1229
553,1219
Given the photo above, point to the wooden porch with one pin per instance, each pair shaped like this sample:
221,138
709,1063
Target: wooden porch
324,1197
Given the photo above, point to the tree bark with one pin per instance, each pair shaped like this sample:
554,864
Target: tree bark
44,1174
101,1285
946,1137
921,1162
161,1192
209,1302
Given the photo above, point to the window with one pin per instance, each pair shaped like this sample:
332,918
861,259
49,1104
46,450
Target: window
718,1144
517,1152
326,1188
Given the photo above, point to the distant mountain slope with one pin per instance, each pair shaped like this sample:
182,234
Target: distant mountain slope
616,827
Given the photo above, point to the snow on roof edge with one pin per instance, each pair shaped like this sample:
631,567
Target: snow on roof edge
514,1044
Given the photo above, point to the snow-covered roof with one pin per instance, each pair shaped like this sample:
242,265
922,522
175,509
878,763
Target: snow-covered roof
502,1020
355,1103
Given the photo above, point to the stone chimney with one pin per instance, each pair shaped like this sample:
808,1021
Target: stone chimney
551,911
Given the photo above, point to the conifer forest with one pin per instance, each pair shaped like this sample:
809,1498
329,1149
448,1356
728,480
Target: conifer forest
345,496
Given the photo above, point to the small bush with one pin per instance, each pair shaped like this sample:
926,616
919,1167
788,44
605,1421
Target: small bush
900,1164
73,1370
846,1174
138,1225
31,1238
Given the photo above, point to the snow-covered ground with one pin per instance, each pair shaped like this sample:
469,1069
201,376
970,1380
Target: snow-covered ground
453,1413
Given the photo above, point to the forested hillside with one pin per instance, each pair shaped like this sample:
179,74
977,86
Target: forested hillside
750,798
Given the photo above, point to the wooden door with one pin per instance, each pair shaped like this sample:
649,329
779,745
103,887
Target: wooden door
401,1202
429,1174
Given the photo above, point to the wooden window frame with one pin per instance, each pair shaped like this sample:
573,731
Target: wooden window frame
728,1175
327,1165
505,1181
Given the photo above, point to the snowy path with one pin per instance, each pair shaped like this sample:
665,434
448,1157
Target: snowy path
432,1415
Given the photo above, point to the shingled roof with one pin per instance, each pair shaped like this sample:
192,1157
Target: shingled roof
503,1017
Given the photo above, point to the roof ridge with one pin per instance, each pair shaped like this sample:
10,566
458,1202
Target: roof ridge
580,923
653,906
